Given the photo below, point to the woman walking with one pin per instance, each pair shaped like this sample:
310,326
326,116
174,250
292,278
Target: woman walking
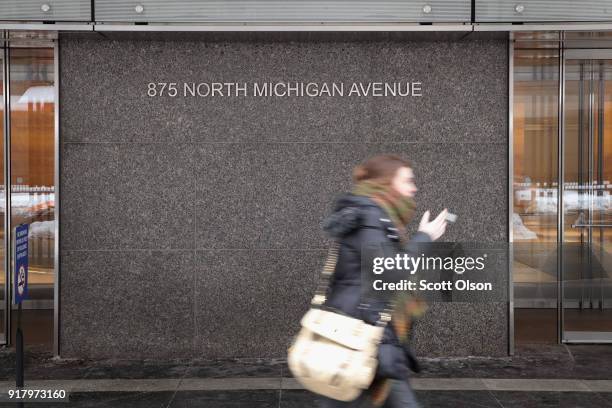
376,212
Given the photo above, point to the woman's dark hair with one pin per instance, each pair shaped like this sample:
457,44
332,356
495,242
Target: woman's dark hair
381,168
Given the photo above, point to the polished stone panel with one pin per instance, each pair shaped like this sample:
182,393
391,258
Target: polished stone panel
129,369
473,82
249,302
463,329
127,196
127,304
269,195
115,107
464,88
529,361
239,185
432,367
275,195
228,368
468,179
89,173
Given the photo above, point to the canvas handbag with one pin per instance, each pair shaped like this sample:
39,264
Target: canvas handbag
335,355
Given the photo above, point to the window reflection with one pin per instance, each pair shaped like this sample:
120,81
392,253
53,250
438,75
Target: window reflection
588,175
32,98
535,192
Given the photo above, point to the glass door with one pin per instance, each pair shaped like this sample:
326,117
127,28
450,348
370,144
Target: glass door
32,176
586,264
28,152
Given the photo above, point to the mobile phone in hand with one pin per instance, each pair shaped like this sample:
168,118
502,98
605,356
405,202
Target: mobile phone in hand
450,217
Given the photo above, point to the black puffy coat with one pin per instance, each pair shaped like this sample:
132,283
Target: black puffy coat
358,221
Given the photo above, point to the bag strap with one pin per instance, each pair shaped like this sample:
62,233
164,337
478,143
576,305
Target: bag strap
329,268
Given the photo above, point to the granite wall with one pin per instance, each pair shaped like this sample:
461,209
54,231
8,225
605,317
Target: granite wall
190,226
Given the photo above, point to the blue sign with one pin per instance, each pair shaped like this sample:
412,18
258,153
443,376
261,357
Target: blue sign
21,263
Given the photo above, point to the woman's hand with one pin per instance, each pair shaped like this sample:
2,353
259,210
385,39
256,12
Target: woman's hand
436,228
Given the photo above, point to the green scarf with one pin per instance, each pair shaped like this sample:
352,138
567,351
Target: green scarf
399,208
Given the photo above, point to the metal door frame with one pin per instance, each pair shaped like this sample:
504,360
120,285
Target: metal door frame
573,54
5,335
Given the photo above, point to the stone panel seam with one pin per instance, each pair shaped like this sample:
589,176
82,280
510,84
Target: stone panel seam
194,255
315,142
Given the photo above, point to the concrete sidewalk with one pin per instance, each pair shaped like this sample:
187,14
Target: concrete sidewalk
548,376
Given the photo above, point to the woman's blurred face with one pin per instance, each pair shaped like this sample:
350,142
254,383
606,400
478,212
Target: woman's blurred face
403,182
